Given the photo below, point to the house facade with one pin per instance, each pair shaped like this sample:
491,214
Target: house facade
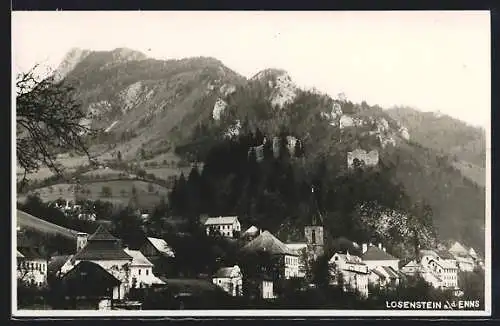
106,251
465,261
230,279
353,272
31,267
267,289
90,283
227,226
141,271
440,271
286,260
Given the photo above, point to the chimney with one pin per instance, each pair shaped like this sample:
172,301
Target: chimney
81,241
380,246
365,247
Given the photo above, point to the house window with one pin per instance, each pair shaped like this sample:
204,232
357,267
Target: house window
139,271
313,236
147,271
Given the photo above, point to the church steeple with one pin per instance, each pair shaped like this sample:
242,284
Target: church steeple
314,232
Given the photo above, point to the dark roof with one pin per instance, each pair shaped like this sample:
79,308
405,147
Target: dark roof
343,245
30,253
266,242
96,250
192,286
224,272
390,271
89,279
375,253
102,234
56,262
376,272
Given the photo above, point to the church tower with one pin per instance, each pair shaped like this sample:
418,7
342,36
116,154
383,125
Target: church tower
314,232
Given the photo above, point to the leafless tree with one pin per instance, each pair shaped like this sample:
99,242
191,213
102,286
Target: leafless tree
48,120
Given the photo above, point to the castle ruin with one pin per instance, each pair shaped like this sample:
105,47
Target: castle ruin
370,158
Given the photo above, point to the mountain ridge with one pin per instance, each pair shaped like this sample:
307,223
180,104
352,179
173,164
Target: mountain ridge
151,106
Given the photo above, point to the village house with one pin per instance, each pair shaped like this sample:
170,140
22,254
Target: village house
141,271
286,260
466,262
230,280
106,250
31,267
31,264
251,233
90,286
440,273
227,226
375,256
352,271
154,248
384,276
300,248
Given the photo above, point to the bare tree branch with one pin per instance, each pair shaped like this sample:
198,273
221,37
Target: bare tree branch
49,120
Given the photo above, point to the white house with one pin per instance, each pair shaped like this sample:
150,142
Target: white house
440,272
300,248
31,266
228,226
412,268
267,289
104,249
353,271
141,271
384,276
230,279
374,257
465,261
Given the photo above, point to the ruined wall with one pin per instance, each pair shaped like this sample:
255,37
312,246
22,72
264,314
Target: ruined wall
369,158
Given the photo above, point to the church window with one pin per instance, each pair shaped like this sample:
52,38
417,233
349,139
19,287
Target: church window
313,236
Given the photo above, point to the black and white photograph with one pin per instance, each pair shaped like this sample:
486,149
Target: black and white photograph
251,163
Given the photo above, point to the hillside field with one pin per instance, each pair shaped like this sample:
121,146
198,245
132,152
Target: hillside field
27,221
148,194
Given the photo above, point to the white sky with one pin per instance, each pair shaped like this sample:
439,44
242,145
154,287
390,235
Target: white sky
428,60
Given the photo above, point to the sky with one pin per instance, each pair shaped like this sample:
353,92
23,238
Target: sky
431,61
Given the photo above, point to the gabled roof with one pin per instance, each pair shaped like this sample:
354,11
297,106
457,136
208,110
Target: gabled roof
458,248
266,242
221,220
19,255
348,258
138,259
251,230
162,246
375,253
89,279
296,247
102,234
226,272
390,272
412,263
96,251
